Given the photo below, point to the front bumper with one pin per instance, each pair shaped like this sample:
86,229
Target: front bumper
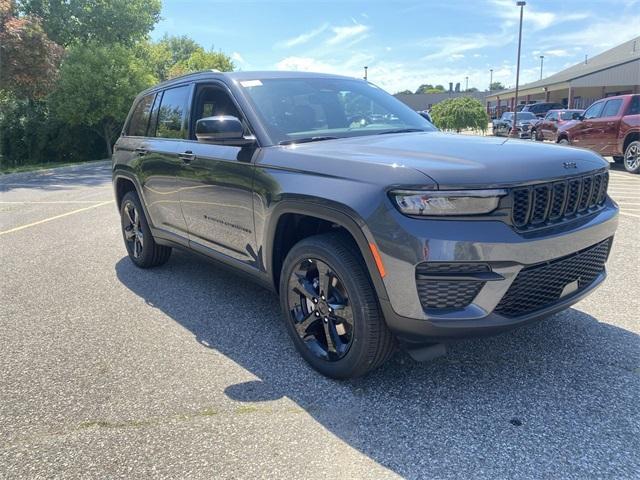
404,243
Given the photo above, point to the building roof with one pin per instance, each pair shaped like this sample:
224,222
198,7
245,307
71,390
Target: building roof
621,54
420,101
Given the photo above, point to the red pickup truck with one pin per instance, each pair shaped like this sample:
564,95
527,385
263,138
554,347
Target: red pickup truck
610,126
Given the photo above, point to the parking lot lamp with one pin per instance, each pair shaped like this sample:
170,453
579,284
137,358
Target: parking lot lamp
490,79
514,132
541,63
365,73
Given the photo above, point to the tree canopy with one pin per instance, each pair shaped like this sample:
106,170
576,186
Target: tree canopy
103,21
497,86
428,88
97,86
460,113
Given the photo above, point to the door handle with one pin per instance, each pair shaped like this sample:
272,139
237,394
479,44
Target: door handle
141,151
187,156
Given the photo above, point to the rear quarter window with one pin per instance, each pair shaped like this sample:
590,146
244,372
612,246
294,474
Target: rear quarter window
634,106
139,122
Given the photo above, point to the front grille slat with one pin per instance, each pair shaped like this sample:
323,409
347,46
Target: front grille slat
545,203
540,286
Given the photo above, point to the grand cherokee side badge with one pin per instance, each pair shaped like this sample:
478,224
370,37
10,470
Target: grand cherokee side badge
570,165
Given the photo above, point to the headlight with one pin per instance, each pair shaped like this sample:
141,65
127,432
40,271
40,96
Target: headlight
443,203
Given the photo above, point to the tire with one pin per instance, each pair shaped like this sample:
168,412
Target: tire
632,157
563,141
357,347
534,135
143,251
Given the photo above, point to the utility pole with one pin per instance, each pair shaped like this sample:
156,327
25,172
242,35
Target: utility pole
365,73
541,63
490,79
514,132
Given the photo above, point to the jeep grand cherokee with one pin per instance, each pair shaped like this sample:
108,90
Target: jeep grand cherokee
375,229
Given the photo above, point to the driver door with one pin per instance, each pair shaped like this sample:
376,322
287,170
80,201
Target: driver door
586,130
216,183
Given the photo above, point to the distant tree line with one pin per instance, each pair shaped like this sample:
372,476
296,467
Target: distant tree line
69,70
429,88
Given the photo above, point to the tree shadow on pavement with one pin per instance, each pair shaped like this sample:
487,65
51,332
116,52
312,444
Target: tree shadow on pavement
558,398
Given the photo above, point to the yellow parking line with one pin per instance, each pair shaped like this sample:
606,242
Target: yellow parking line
22,227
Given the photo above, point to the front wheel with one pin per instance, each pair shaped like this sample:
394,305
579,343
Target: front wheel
331,309
141,247
632,157
563,141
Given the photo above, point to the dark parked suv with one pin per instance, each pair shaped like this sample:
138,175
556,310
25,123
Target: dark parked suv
375,229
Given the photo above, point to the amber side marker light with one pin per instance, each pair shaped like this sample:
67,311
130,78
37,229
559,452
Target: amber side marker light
376,257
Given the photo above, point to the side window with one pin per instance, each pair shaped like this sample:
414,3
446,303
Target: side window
552,116
140,117
171,115
593,111
210,101
612,108
634,107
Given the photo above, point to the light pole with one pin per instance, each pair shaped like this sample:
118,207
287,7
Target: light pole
365,73
514,132
541,63
490,79
466,84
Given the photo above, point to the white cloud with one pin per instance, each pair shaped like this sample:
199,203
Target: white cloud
304,37
601,35
446,47
238,58
536,19
305,64
351,33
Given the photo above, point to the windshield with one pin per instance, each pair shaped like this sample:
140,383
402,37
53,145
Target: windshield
568,114
321,108
526,116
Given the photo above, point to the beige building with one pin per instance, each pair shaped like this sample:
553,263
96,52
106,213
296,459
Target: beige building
614,72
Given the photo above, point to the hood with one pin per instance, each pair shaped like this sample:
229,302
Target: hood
456,161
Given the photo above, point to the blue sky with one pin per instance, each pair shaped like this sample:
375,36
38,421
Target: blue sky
405,43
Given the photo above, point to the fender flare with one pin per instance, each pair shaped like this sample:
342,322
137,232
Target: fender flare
123,174
336,213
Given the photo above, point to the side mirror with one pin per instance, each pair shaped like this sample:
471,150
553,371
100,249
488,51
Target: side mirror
222,129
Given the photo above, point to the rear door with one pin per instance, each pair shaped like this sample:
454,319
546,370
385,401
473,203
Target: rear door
609,122
549,126
216,184
161,165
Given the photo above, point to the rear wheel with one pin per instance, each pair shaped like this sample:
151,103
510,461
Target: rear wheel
330,307
632,157
563,141
142,248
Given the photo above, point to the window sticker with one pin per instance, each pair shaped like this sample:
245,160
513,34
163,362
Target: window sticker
251,83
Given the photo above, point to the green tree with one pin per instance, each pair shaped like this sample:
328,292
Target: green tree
202,60
101,21
496,86
460,113
404,92
428,88
97,86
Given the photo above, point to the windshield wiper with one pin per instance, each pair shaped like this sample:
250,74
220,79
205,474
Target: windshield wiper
305,140
402,130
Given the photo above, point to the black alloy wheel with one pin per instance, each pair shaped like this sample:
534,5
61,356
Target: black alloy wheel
331,309
141,246
320,310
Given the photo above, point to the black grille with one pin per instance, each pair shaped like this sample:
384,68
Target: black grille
549,203
445,292
540,286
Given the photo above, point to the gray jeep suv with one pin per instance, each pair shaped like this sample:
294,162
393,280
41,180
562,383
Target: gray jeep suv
375,229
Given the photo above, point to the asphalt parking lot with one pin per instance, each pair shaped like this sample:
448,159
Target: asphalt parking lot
185,371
